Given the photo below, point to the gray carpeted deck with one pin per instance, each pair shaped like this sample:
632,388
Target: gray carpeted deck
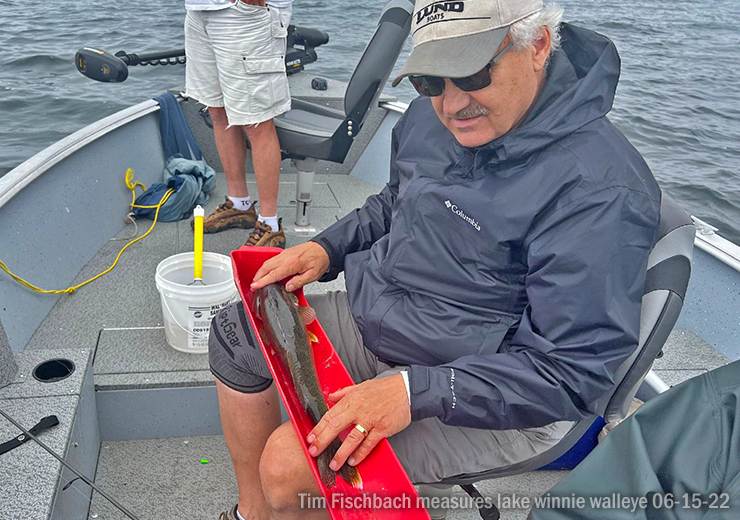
164,478
120,314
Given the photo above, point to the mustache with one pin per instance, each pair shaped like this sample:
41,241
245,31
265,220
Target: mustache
472,110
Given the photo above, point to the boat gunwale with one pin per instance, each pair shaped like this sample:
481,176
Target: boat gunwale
394,106
33,168
716,245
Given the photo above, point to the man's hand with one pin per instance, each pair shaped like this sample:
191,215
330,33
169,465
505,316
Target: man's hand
381,406
308,261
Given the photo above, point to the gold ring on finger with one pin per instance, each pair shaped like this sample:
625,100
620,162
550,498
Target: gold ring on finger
362,430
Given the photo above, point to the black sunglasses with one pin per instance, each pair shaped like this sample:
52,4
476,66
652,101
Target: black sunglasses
431,86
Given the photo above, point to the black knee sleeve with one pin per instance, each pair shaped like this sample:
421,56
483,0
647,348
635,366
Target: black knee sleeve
234,354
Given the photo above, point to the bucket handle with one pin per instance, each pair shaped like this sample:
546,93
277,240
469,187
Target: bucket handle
172,315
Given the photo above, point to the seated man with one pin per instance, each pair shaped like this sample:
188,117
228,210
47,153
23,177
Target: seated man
493,286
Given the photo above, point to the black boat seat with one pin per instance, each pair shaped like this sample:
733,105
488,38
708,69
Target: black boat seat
307,124
668,272
311,132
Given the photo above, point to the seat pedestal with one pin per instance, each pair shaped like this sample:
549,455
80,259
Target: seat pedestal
303,197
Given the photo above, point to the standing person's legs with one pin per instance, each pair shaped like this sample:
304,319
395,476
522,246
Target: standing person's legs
203,84
249,44
232,150
236,68
266,160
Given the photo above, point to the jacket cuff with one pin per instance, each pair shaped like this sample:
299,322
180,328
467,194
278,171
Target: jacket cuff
427,391
334,270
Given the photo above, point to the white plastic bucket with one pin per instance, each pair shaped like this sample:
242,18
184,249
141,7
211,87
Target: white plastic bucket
188,309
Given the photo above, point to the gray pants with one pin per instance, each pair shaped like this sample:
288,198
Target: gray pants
429,450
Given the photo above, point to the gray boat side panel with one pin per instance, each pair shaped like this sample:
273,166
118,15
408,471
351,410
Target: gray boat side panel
82,454
160,413
24,174
373,166
61,220
712,307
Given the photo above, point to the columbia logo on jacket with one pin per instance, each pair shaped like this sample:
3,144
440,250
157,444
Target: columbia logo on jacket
462,215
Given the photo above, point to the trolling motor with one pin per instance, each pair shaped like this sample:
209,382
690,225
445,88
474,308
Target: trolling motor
113,68
296,59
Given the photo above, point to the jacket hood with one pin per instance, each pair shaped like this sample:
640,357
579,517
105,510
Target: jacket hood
581,82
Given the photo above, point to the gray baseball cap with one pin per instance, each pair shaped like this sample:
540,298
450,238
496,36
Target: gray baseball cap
457,38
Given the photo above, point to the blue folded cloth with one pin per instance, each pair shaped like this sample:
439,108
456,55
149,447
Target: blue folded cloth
192,182
185,171
174,129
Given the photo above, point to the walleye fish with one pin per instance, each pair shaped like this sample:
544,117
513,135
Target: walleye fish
284,328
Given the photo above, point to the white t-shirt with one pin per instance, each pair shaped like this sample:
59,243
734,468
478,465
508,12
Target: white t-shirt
214,5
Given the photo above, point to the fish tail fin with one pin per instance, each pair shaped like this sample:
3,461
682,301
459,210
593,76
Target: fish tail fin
351,476
328,477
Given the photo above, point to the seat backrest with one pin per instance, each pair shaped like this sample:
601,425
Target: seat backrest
377,61
669,269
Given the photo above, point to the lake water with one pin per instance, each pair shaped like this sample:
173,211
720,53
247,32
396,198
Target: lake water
677,101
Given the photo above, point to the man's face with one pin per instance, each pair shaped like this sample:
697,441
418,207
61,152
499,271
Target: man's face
478,117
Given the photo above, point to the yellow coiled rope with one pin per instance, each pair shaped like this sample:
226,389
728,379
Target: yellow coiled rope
69,290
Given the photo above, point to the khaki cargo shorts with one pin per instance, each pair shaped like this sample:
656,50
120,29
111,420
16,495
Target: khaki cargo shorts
236,60
429,450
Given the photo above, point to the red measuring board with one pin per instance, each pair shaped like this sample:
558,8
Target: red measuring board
387,493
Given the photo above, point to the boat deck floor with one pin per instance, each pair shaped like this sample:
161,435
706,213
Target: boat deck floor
120,317
164,478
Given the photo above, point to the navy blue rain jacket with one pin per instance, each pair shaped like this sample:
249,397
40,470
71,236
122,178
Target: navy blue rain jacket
508,277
